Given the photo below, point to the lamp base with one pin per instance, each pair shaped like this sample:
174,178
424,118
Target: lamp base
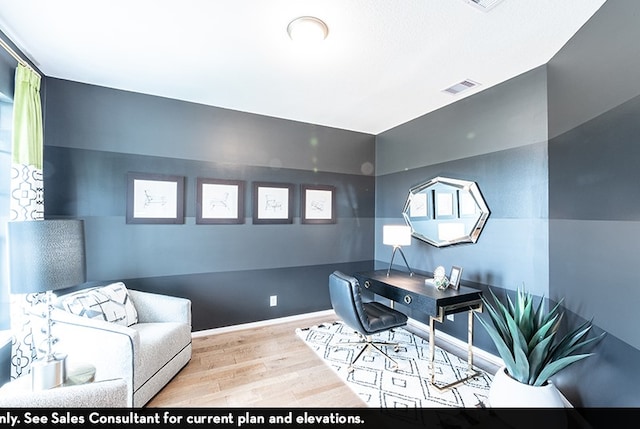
48,373
393,255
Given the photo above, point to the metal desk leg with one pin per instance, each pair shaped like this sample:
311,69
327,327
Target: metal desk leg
432,348
470,372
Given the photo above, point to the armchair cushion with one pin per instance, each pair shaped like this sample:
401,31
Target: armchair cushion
101,394
110,303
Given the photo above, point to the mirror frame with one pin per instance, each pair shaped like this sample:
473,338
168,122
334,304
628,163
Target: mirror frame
472,234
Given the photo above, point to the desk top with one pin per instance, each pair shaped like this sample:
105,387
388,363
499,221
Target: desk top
432,298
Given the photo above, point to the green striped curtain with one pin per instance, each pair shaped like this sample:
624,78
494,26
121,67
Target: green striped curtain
26,201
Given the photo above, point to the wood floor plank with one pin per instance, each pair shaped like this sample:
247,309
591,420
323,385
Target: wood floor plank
268,366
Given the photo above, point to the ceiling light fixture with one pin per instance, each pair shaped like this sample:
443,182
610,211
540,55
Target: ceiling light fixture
307,29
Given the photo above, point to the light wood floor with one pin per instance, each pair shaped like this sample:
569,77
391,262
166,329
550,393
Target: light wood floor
267,366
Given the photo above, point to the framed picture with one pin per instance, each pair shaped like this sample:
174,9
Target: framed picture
468,206
219,201
272,203
318,203
155,198
419,205
454,277
444,204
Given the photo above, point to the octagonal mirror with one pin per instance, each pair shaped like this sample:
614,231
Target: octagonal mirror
444,211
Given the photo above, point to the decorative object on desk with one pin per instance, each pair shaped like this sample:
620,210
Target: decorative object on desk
531,349
440,279
444,211
46,255
374,381
397,236
454,277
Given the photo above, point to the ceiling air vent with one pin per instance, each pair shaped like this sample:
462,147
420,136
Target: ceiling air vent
462,86
483,4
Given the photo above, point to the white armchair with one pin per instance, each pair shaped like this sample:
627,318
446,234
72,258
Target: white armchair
146,355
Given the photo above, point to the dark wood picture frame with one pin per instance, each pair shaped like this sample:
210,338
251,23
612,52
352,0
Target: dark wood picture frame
219,201
272,203
155,198
317,204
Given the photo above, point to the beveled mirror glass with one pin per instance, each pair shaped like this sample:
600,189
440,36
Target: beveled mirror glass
444,211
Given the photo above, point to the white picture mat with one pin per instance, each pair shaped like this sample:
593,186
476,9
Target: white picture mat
155,199
273,203
219,201
418,206
318,204
444,204
468,205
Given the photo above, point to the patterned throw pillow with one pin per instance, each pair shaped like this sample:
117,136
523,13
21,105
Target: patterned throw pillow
110,303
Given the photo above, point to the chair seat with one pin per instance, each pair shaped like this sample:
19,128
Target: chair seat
382,318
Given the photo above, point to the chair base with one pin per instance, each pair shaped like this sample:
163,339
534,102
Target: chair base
368,345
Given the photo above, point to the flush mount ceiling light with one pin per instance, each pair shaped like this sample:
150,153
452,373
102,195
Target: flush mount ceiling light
307,29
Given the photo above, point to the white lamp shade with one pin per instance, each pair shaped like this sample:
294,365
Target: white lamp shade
396,235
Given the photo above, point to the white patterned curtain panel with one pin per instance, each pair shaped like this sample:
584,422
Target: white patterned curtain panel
27,199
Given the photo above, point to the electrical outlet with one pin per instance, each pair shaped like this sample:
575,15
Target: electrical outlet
273,300
450,317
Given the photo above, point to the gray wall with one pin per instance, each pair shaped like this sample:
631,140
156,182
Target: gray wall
474,139
94,136
562,192
594,209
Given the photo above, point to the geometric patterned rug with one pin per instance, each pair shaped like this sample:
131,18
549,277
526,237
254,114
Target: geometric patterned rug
378,385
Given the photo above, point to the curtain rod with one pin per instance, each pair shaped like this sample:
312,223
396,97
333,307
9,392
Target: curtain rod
15,56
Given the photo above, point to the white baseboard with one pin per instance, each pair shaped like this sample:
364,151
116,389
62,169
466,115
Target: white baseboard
261,323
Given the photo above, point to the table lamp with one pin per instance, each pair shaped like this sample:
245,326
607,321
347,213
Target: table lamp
397,236
46,255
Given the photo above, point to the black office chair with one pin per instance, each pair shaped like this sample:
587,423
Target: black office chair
365,318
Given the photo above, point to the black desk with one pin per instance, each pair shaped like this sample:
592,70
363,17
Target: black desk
412,291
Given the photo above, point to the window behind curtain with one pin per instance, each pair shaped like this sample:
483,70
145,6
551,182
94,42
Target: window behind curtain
5,182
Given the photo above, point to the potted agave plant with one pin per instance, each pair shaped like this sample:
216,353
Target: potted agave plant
528,342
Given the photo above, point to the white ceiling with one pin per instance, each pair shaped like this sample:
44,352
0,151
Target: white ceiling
384,62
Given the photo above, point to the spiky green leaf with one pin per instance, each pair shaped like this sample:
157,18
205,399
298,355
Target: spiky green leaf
538,358
519,350
503,349
526,337
553,367
545,331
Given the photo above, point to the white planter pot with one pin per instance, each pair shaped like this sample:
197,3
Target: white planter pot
506,392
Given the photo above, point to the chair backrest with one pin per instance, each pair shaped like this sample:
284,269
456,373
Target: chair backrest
346,300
